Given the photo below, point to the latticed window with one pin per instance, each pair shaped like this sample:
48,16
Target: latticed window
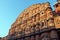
37,27
27,29
42,24
30,21
20,32
25,22
20,18
37,17
51,21
34,19
32,29
27,15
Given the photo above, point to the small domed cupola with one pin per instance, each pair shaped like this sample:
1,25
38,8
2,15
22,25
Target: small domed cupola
57,7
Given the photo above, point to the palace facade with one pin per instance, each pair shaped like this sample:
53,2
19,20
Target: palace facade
37,22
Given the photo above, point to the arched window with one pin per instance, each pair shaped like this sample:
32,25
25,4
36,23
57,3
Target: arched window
45,36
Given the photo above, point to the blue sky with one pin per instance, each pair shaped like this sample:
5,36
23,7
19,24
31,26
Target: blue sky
10,9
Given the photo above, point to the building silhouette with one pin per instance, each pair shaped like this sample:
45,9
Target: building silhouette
37,22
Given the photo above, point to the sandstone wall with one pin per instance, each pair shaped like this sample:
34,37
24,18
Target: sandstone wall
36,19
